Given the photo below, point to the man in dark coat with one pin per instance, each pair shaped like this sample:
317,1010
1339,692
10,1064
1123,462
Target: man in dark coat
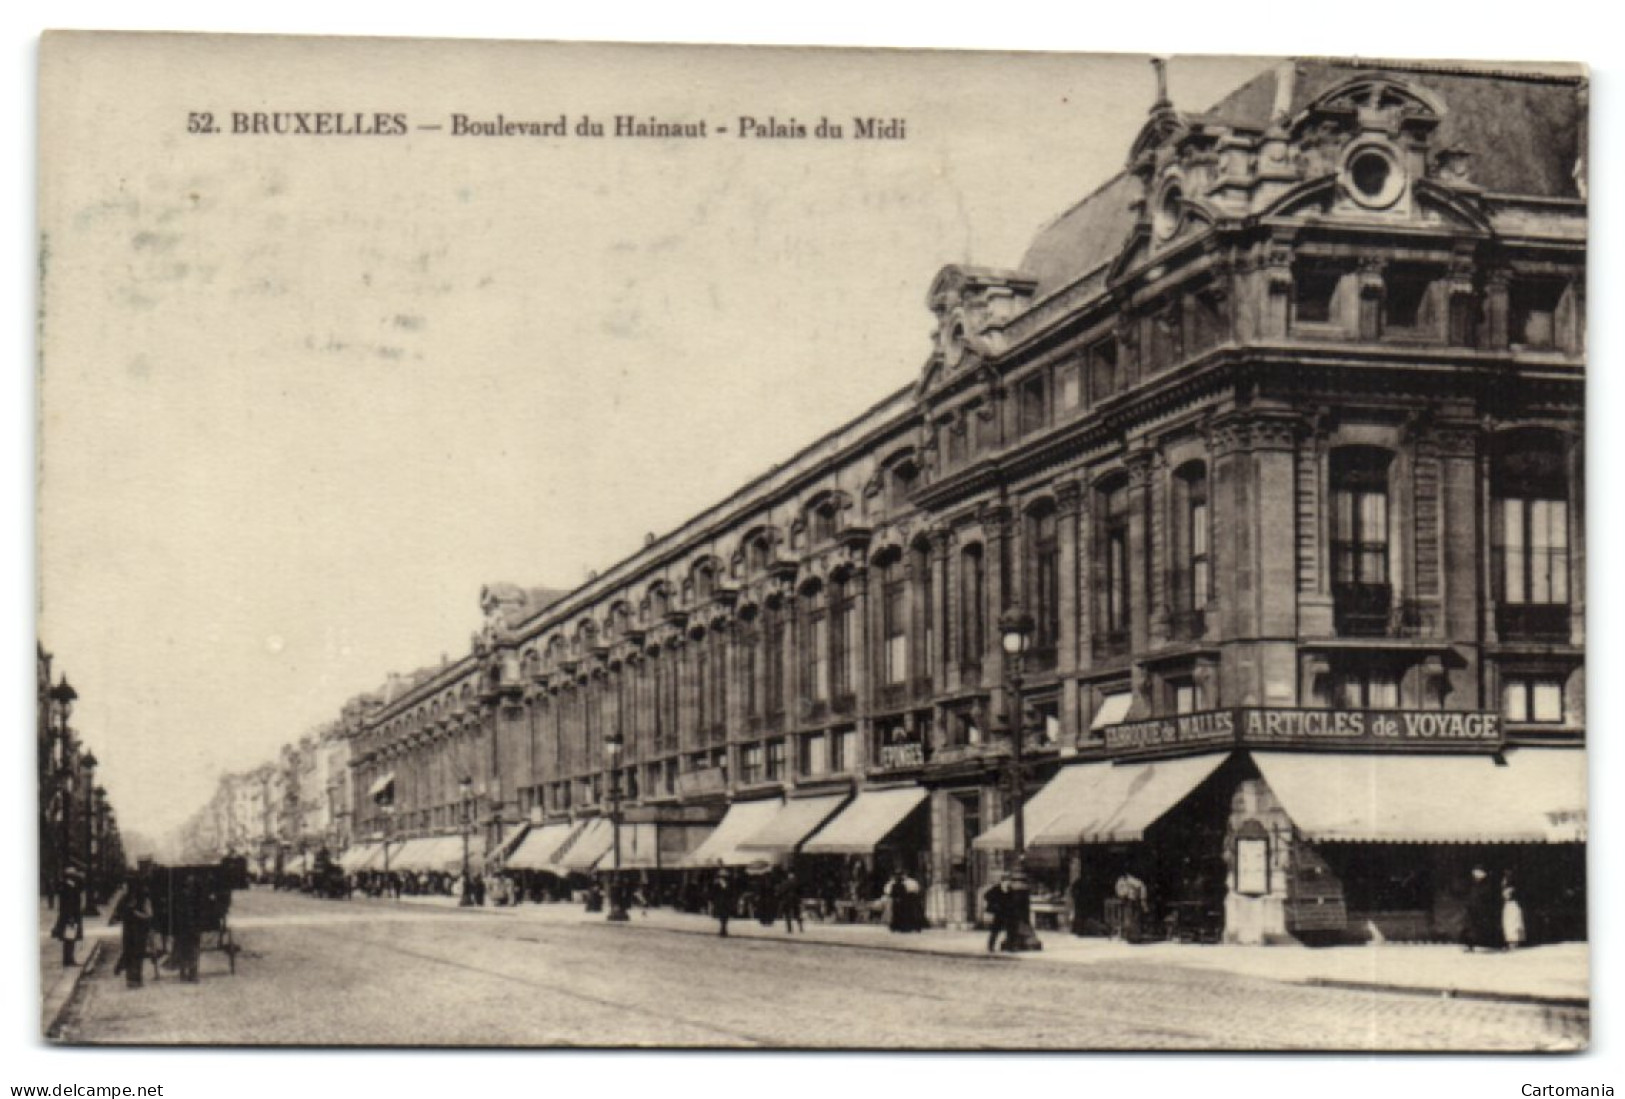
1000,905
1483,925
134,912
722,901
790,903
70,913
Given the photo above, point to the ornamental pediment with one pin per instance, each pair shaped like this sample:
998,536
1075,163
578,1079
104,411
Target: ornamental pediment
970,305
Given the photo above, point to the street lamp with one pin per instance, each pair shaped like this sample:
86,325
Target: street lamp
389,819
612,756
63,695
89,765
1016,633
104,869
466,787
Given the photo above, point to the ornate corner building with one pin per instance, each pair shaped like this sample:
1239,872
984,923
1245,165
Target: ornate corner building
1277,435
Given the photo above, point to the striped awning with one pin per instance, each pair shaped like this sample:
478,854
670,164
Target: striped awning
796,819
864,825
1538,795
590,847
723,847
540,845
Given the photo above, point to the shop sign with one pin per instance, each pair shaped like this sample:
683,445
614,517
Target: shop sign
1373,730
1185,732
696,783
901,755
1381,730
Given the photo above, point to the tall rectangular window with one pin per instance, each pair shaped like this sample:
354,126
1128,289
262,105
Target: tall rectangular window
1360,540
894,624
1032,399
1114,559
840,639
773,658
815,657
843,747
814,759
972,605
1535,551
1044,593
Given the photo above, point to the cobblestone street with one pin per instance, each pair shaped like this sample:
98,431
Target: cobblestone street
398,974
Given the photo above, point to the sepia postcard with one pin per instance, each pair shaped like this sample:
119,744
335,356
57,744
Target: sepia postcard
591,545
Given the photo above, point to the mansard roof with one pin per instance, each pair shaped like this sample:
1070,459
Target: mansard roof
1523,127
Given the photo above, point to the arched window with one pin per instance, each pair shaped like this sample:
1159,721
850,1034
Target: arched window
824,521
1360,539
758,553
1530,536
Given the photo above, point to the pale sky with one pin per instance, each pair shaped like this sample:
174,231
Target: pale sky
304,395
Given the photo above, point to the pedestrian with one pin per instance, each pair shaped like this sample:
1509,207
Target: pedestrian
70,913
134,913
1131,891
999,902
1482,925
186,923
1513,932
790,903
722,901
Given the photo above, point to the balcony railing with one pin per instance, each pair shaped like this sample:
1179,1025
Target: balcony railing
1108,646
1547,622
1187,625
1362,610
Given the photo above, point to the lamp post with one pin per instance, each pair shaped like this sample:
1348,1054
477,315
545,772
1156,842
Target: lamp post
104,870
466,787
88,763
64,696
389,819
1015,633
612,756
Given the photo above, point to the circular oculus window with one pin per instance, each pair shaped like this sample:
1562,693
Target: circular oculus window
1373,177
1166,216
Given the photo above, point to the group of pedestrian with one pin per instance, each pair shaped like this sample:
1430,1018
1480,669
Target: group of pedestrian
1494,917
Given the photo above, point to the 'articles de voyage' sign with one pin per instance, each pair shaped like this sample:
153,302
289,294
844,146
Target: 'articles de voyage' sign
1375,730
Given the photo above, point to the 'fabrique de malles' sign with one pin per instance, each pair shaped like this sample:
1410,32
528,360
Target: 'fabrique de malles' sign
1374,730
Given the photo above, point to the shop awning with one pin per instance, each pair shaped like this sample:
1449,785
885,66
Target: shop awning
497,858
794,822
443,854
1069,791
1137,795
373,859
1537,796
383,783
589,847
743,820
864,824
540,845
357,855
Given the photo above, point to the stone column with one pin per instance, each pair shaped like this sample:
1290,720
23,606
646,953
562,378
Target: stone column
863,661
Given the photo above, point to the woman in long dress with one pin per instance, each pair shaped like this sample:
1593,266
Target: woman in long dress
1512,925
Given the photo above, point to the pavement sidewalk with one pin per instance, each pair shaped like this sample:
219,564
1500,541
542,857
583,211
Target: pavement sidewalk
58,982
1558,973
